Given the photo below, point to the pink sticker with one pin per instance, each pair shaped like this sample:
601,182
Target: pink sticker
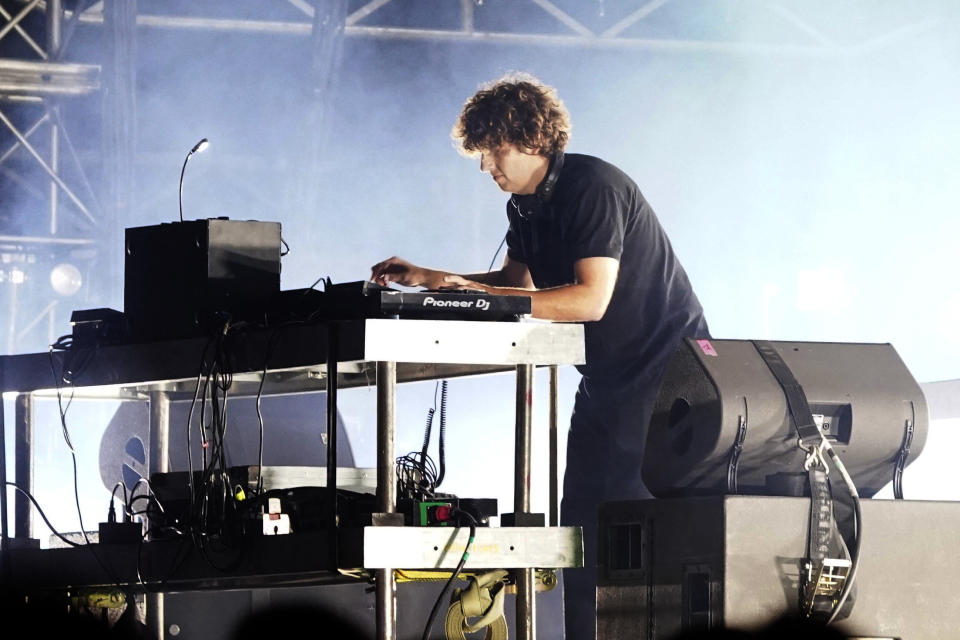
707,348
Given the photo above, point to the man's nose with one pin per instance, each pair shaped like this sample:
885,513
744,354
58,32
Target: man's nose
486,164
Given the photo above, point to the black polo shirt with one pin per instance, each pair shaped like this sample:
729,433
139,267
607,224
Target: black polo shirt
596,210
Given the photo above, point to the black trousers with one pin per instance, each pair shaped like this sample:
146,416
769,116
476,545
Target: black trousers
605,448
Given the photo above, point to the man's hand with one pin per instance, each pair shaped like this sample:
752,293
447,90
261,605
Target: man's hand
399,271
459,282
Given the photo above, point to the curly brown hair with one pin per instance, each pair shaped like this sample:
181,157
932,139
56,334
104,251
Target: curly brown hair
517,109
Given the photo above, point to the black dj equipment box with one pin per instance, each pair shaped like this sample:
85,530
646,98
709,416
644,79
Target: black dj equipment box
673,565
180,278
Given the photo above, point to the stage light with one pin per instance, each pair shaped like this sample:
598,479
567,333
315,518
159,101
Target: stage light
15,276
66,279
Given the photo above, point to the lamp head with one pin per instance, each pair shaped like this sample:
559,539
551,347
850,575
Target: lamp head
200,147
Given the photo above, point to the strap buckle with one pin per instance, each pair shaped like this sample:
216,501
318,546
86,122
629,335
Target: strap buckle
816,455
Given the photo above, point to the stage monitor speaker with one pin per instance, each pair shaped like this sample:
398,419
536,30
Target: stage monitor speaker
679,566
862,396
178,275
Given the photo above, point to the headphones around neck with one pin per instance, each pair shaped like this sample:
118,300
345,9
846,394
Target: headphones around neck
545,190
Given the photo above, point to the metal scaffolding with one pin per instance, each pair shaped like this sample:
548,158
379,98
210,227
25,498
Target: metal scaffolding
33,93
550,24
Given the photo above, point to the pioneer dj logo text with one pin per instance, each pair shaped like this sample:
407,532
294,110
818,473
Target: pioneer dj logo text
479,304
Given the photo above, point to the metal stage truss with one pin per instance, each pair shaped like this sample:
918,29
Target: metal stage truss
33,94
570,23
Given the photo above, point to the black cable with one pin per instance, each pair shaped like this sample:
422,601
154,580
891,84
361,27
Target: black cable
60,408
463,560
195,521
150,495
494,258
426,434
193,404
42,514
215,522
76,496
143,538
148,498
416,476
263,376
316,282
76,485
286,245
443,431
66,438
126,499
63,343
429,426
271,345
215,467
75,359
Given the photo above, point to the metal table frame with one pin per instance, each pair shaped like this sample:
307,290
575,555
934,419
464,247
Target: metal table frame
305,358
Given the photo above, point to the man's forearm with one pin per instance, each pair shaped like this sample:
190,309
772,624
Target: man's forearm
493,279
567,303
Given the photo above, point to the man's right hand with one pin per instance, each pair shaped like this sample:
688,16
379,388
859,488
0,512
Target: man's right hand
399,271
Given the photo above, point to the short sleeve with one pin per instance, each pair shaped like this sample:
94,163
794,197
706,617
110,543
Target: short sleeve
595,224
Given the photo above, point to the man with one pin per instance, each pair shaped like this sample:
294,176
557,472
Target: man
586,247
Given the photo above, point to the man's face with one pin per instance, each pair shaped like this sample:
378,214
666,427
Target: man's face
515,170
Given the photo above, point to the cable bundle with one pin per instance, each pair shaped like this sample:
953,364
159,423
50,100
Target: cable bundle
212,504
417,475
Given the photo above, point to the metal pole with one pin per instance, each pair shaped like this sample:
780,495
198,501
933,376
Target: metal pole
119,132
12,313
329,23
4,522
159,432
386,491
526,613
54,28
159,462
333,339
552,424
155,614
55,165
526,605
54,42
466,15
23,463
521,484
